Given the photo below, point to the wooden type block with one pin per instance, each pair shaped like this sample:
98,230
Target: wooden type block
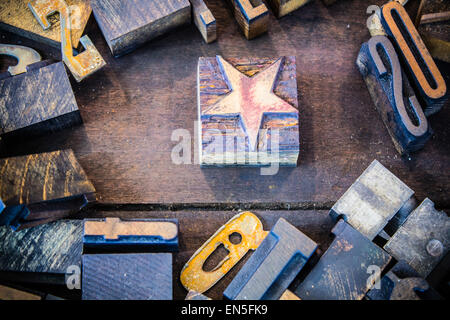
393,95
248,112
372,200
345,269
204,20
273,266
125,235
48,249
419,63
128,24
145,276
37,102
251,15
423,240
284,7
16,17
39,188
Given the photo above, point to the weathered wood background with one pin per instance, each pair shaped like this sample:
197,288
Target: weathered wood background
131,107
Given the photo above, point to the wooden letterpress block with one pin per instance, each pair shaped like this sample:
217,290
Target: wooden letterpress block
204,20
273,266
127,276
46,251
372,200
125,235
423,239
284,7
247,226
251,15
393,95
344,270
8,293
248,111
419,63
16,17
39,188
37,102
128,24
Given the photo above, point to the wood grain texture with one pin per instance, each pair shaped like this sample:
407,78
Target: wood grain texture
204,20
131,108
248,111
343,271
8,293
284,7
16,17
198,226
37,102
127,276
128,24
49,248
252,16
42,177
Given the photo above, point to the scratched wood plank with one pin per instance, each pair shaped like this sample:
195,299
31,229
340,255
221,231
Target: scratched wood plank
131,109
16,17
128,24
48,249
197,226
37,102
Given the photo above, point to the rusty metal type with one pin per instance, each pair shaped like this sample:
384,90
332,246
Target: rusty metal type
406,289
85,63
123,235
431,85
248,226
24,55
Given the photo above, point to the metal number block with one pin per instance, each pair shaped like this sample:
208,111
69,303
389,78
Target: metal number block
248,226
204,20
16,17
146,276
251,15
48,249
39,188
373,200
35,97
284,7
393,95
125,235
273,266
346,269
423,239
129,24
421,66
240,128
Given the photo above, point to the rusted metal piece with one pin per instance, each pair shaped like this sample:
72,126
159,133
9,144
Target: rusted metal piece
112,233
399,26
373,200
406,289
435,17
423,239
85,63
248,226
24,55
193,295
289,295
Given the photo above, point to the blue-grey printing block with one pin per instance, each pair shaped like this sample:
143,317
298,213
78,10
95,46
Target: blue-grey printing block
273,266
146,276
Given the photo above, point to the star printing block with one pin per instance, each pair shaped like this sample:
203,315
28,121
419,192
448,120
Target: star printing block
248,111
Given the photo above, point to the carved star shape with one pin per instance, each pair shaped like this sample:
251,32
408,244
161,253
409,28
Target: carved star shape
250,97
